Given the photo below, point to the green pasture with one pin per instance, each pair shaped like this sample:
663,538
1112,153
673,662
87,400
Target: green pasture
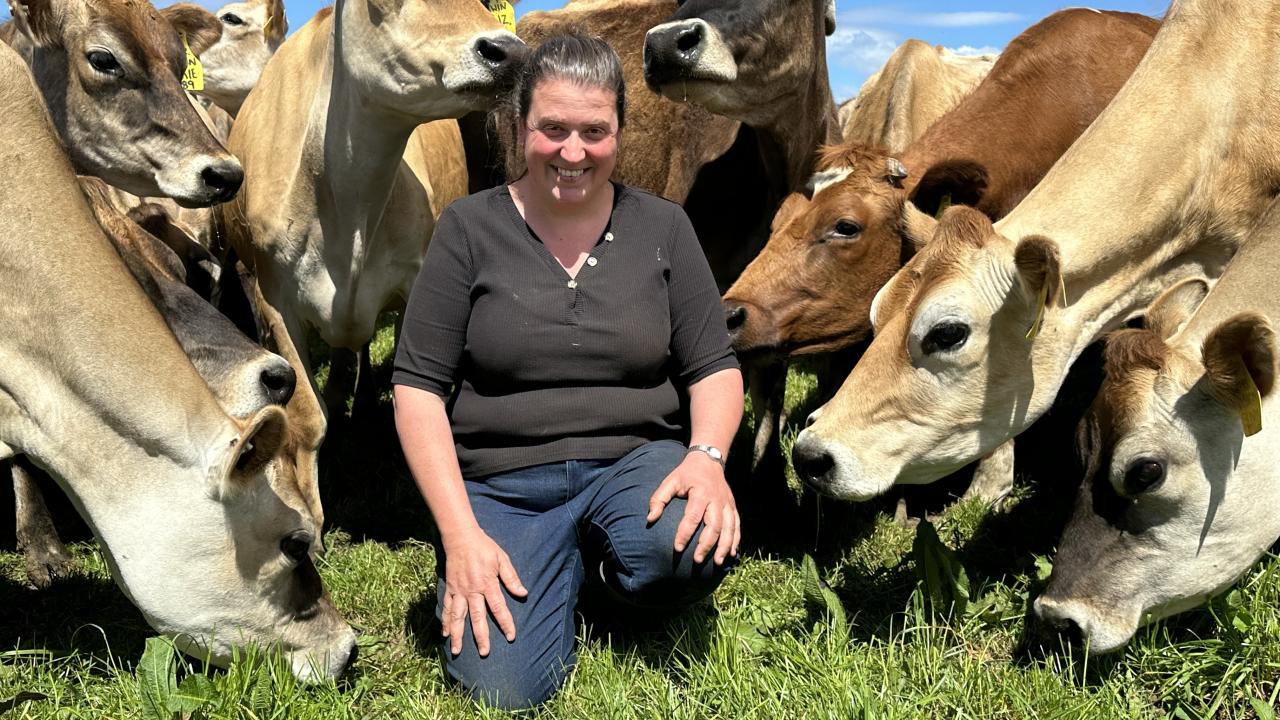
825,617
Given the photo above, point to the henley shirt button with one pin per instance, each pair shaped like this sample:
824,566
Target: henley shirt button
573,284
592,261
608,237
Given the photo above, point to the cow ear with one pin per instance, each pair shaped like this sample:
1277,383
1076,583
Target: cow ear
894,295
952,182
1039,265
1240,364
829,16
201,27
38,19
1169,312
260,442
277,25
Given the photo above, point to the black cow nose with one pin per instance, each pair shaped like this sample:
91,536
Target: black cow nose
279,381
223,180
689,38
811,463
490,51
670,53
735,316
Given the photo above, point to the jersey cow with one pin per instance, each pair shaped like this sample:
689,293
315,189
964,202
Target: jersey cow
339,203
1181,487
196,529
109,71
917,85
251,33
975,334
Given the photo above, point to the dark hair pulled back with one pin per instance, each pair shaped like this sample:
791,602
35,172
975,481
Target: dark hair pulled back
585,60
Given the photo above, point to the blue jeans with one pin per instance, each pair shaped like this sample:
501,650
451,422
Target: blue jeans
560,522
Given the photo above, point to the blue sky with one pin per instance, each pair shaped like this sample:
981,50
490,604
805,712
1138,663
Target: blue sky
866,32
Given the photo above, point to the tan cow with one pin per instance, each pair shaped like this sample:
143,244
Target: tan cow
917,85
251,33
194,526
974,336
339,202
1182,485
109,71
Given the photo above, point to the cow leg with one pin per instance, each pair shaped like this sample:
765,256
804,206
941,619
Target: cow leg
365,403
307,423
341,383
46,557
767,384
993,477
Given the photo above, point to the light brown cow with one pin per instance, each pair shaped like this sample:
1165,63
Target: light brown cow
109,71
251,33
196,530
339,202
244,377
974,336
917,85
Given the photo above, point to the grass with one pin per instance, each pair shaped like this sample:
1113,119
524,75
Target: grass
760,648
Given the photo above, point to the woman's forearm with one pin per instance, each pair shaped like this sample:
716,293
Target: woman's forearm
427,442
715,409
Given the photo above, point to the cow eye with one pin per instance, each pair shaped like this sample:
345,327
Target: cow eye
231,19
944,336
847,228
296,545
1143,474
105,63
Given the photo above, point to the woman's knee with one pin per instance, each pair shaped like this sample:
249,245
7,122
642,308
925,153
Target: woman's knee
652,573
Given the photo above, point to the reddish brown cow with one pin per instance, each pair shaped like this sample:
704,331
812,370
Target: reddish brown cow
811,289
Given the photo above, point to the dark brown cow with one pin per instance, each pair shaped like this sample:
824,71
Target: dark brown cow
811,289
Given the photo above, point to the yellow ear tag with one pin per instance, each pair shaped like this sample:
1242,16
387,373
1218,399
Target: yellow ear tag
266,28
1251,413
1035,326
502,10
943,204
193,76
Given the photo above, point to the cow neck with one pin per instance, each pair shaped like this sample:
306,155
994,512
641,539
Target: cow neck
796,133
1170,178
364,142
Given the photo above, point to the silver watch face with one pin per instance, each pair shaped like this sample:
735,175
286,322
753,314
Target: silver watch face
714,452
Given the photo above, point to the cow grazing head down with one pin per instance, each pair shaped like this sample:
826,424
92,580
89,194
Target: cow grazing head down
250,33
201,528
739,57
109,71
434,59
929,395
810,289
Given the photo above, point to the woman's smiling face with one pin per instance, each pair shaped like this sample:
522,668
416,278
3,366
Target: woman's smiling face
570,140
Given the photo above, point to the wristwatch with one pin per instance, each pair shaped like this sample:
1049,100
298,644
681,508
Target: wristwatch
711,450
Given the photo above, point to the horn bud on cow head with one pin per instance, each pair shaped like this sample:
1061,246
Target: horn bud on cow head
895,172
1240,364
1169,312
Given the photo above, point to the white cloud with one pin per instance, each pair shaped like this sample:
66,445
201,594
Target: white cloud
971,50
893,16
861,50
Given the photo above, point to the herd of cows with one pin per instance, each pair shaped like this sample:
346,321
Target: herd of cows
973,222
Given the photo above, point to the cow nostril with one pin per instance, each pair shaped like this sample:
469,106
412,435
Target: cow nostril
223,181
689,38
735,316
278,381
811,465
1068,630
490,51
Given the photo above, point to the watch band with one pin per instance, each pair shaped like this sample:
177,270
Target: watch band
711,450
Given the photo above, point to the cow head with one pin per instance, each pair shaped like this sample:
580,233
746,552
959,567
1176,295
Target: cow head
1176,502
432,59
250,33
810,289
109,71
739,58
953,370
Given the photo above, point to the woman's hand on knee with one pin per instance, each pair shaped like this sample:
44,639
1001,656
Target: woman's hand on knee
709,501
476,570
